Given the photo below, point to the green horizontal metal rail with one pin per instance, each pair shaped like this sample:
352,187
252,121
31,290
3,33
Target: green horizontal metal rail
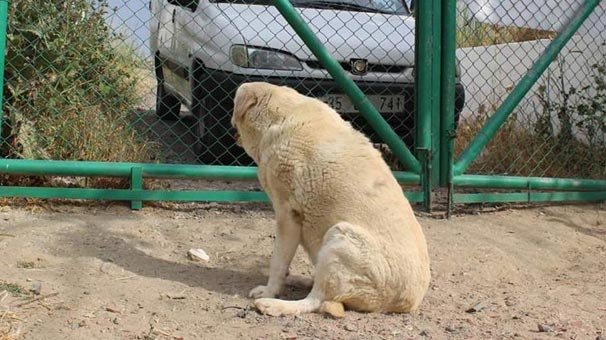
517,94
134,195
149,195
535,183
529,197
368,111
109,169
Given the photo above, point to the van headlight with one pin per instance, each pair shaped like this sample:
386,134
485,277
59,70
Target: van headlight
252,57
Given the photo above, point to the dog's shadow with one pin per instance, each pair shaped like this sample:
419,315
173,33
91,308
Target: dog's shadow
92,240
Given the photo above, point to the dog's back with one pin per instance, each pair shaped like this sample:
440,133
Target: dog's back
336,175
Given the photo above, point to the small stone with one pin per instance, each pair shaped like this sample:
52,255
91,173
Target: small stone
242,314
450,329
116,321
601,337
511,301
350,328
198,255
476,308
82,323
425,333
545,328
289,336
36,288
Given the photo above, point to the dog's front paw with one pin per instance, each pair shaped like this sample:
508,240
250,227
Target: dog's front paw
262,292
274,307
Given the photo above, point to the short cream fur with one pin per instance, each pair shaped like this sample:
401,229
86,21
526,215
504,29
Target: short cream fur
334,195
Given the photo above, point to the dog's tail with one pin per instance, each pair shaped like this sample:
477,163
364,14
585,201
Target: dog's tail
332,308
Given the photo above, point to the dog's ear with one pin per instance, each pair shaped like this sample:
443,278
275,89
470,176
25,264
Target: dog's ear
245,99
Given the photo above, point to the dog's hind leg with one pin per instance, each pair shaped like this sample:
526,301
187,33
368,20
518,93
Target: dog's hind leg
299,281
341,276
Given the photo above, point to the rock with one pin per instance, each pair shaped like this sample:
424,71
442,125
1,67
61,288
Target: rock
450,329
476,308
36,288
198,255
350,328
242,314
289,336
545,328
425,333
116,321
511,301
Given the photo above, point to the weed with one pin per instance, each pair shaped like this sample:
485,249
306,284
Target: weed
13,288
71,86
472,33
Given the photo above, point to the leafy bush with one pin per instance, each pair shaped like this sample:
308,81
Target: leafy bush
69,94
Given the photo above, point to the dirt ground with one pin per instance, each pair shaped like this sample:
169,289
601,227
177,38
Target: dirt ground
106,272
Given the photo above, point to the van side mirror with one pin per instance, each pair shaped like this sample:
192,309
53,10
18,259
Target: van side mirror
190,4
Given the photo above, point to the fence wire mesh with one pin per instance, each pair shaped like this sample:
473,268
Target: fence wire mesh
154,81
559,128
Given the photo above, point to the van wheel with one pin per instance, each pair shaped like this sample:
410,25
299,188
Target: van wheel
168,106
215,143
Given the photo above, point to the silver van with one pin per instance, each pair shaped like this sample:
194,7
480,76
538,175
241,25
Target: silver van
204,49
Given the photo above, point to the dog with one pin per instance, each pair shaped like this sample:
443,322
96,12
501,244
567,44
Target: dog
332,193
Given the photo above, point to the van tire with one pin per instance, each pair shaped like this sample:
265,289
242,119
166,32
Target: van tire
214,139
168,106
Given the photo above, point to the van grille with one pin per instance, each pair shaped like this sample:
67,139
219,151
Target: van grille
380,68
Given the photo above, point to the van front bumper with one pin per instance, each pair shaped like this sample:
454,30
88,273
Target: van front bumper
221,87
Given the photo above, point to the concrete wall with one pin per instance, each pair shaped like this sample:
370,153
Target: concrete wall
490,72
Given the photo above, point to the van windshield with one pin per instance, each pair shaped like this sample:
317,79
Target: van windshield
374,6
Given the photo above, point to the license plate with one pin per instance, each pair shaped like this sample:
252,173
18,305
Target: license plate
385,104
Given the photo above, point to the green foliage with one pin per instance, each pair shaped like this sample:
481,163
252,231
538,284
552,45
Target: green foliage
471,33
69,94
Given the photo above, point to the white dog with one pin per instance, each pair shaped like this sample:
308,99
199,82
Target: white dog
333,194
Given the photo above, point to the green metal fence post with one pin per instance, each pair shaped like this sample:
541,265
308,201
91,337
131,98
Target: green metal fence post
436,95
3,24
356,95
447,98
424,91
517,94
136,184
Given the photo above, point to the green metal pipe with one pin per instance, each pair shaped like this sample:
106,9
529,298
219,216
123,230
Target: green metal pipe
517,94
136,184
530,197
109,169
424,45
368,111
423,63
536,183
3,24
148,195
447,92
436,95
134,195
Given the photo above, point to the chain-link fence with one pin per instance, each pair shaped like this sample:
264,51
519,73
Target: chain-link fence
139,81
153,82
559,128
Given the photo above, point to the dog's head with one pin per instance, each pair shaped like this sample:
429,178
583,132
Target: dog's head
257,107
